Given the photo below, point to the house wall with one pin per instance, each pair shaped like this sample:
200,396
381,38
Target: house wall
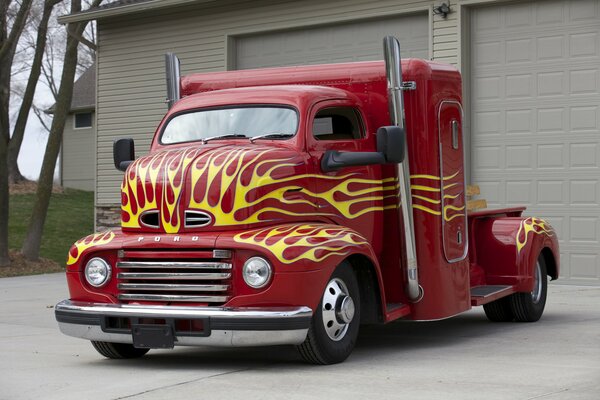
78,153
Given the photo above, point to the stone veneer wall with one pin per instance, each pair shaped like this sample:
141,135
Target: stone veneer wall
107,217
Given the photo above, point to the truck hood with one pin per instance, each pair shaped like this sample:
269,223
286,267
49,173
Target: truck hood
215,188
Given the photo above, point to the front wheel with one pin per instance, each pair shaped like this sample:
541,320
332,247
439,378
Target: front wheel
334,327
118,350
529,307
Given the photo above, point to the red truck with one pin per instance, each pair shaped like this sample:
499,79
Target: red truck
290,206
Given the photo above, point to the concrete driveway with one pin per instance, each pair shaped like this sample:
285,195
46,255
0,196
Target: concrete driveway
465,357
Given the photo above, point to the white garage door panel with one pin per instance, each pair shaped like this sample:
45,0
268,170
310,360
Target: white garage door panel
356,41
535,116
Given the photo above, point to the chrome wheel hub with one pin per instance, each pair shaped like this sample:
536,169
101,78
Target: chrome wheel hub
536,294
338,309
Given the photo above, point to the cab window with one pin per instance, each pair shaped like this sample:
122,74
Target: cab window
338,123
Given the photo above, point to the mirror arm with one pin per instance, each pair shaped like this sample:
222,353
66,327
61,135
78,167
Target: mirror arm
333,160
123,165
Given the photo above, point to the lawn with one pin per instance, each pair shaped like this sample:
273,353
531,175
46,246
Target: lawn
70,217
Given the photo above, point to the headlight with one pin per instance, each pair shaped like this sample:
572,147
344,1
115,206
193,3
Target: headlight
257,272
97,272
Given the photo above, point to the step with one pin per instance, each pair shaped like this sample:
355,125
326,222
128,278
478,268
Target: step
396,310
485,294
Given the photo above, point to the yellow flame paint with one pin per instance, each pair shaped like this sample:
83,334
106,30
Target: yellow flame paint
96,239
148,171
219,163
535,225
223,170
447,208
291,243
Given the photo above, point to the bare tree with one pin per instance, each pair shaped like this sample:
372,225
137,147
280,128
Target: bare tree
14,145
31,246
9,37
54,54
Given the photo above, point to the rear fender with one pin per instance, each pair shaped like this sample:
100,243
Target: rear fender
507,249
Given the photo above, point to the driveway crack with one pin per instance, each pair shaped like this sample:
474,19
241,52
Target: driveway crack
181,383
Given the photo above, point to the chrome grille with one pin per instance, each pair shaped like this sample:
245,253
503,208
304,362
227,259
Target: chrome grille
174,281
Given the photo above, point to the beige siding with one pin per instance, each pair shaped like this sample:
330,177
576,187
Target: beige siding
445,37
78,155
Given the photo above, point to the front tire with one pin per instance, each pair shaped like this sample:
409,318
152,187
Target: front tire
529,307
334,327
118,350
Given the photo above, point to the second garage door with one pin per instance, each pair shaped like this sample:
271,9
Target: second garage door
535,116
353,41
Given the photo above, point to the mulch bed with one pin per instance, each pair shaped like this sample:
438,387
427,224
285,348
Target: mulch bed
19,266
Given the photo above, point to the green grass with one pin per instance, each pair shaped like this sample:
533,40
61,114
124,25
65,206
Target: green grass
70,217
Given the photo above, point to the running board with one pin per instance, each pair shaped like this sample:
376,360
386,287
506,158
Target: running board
396,310
485,294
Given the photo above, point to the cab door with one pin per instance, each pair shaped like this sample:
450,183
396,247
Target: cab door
349,196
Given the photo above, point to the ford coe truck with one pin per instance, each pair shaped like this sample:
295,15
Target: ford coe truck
289,206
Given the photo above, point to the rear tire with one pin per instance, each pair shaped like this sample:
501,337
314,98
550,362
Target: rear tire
118,350
499,310
529,307
334,326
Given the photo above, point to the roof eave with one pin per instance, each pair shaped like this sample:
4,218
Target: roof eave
123,10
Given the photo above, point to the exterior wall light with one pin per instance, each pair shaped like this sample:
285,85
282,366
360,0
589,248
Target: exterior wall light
443,10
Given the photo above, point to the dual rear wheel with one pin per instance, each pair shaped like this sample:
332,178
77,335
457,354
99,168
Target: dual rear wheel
522,307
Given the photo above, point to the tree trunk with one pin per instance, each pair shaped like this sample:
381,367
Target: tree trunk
4,260
31,246
4,135
14,146
8,45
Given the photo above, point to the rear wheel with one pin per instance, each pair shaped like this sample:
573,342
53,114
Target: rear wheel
499,310
334,327
529,307
118,350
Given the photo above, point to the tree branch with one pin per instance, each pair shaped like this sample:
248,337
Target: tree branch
15,32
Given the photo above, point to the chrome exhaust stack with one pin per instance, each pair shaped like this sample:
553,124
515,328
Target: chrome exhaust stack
395,86
173,72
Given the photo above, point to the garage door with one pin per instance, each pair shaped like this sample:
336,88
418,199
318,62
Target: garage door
356,41
535,119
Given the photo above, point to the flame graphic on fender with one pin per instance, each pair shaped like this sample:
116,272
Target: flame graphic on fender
96,239
245,171
155,183
535,225
291,243
449,211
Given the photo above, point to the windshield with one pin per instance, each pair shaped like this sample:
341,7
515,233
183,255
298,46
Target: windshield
237,121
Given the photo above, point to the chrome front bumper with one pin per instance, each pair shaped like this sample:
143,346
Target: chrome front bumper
222,326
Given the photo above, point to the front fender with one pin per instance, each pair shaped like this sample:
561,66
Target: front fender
303,257
507,249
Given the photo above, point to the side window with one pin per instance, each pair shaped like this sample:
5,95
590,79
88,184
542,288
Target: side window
337,123
82,120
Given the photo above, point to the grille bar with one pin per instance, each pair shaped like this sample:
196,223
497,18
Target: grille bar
171,276
171,287
173,265
175,275
173,297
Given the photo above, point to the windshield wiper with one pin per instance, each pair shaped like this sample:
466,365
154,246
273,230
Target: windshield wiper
270,135
227,136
